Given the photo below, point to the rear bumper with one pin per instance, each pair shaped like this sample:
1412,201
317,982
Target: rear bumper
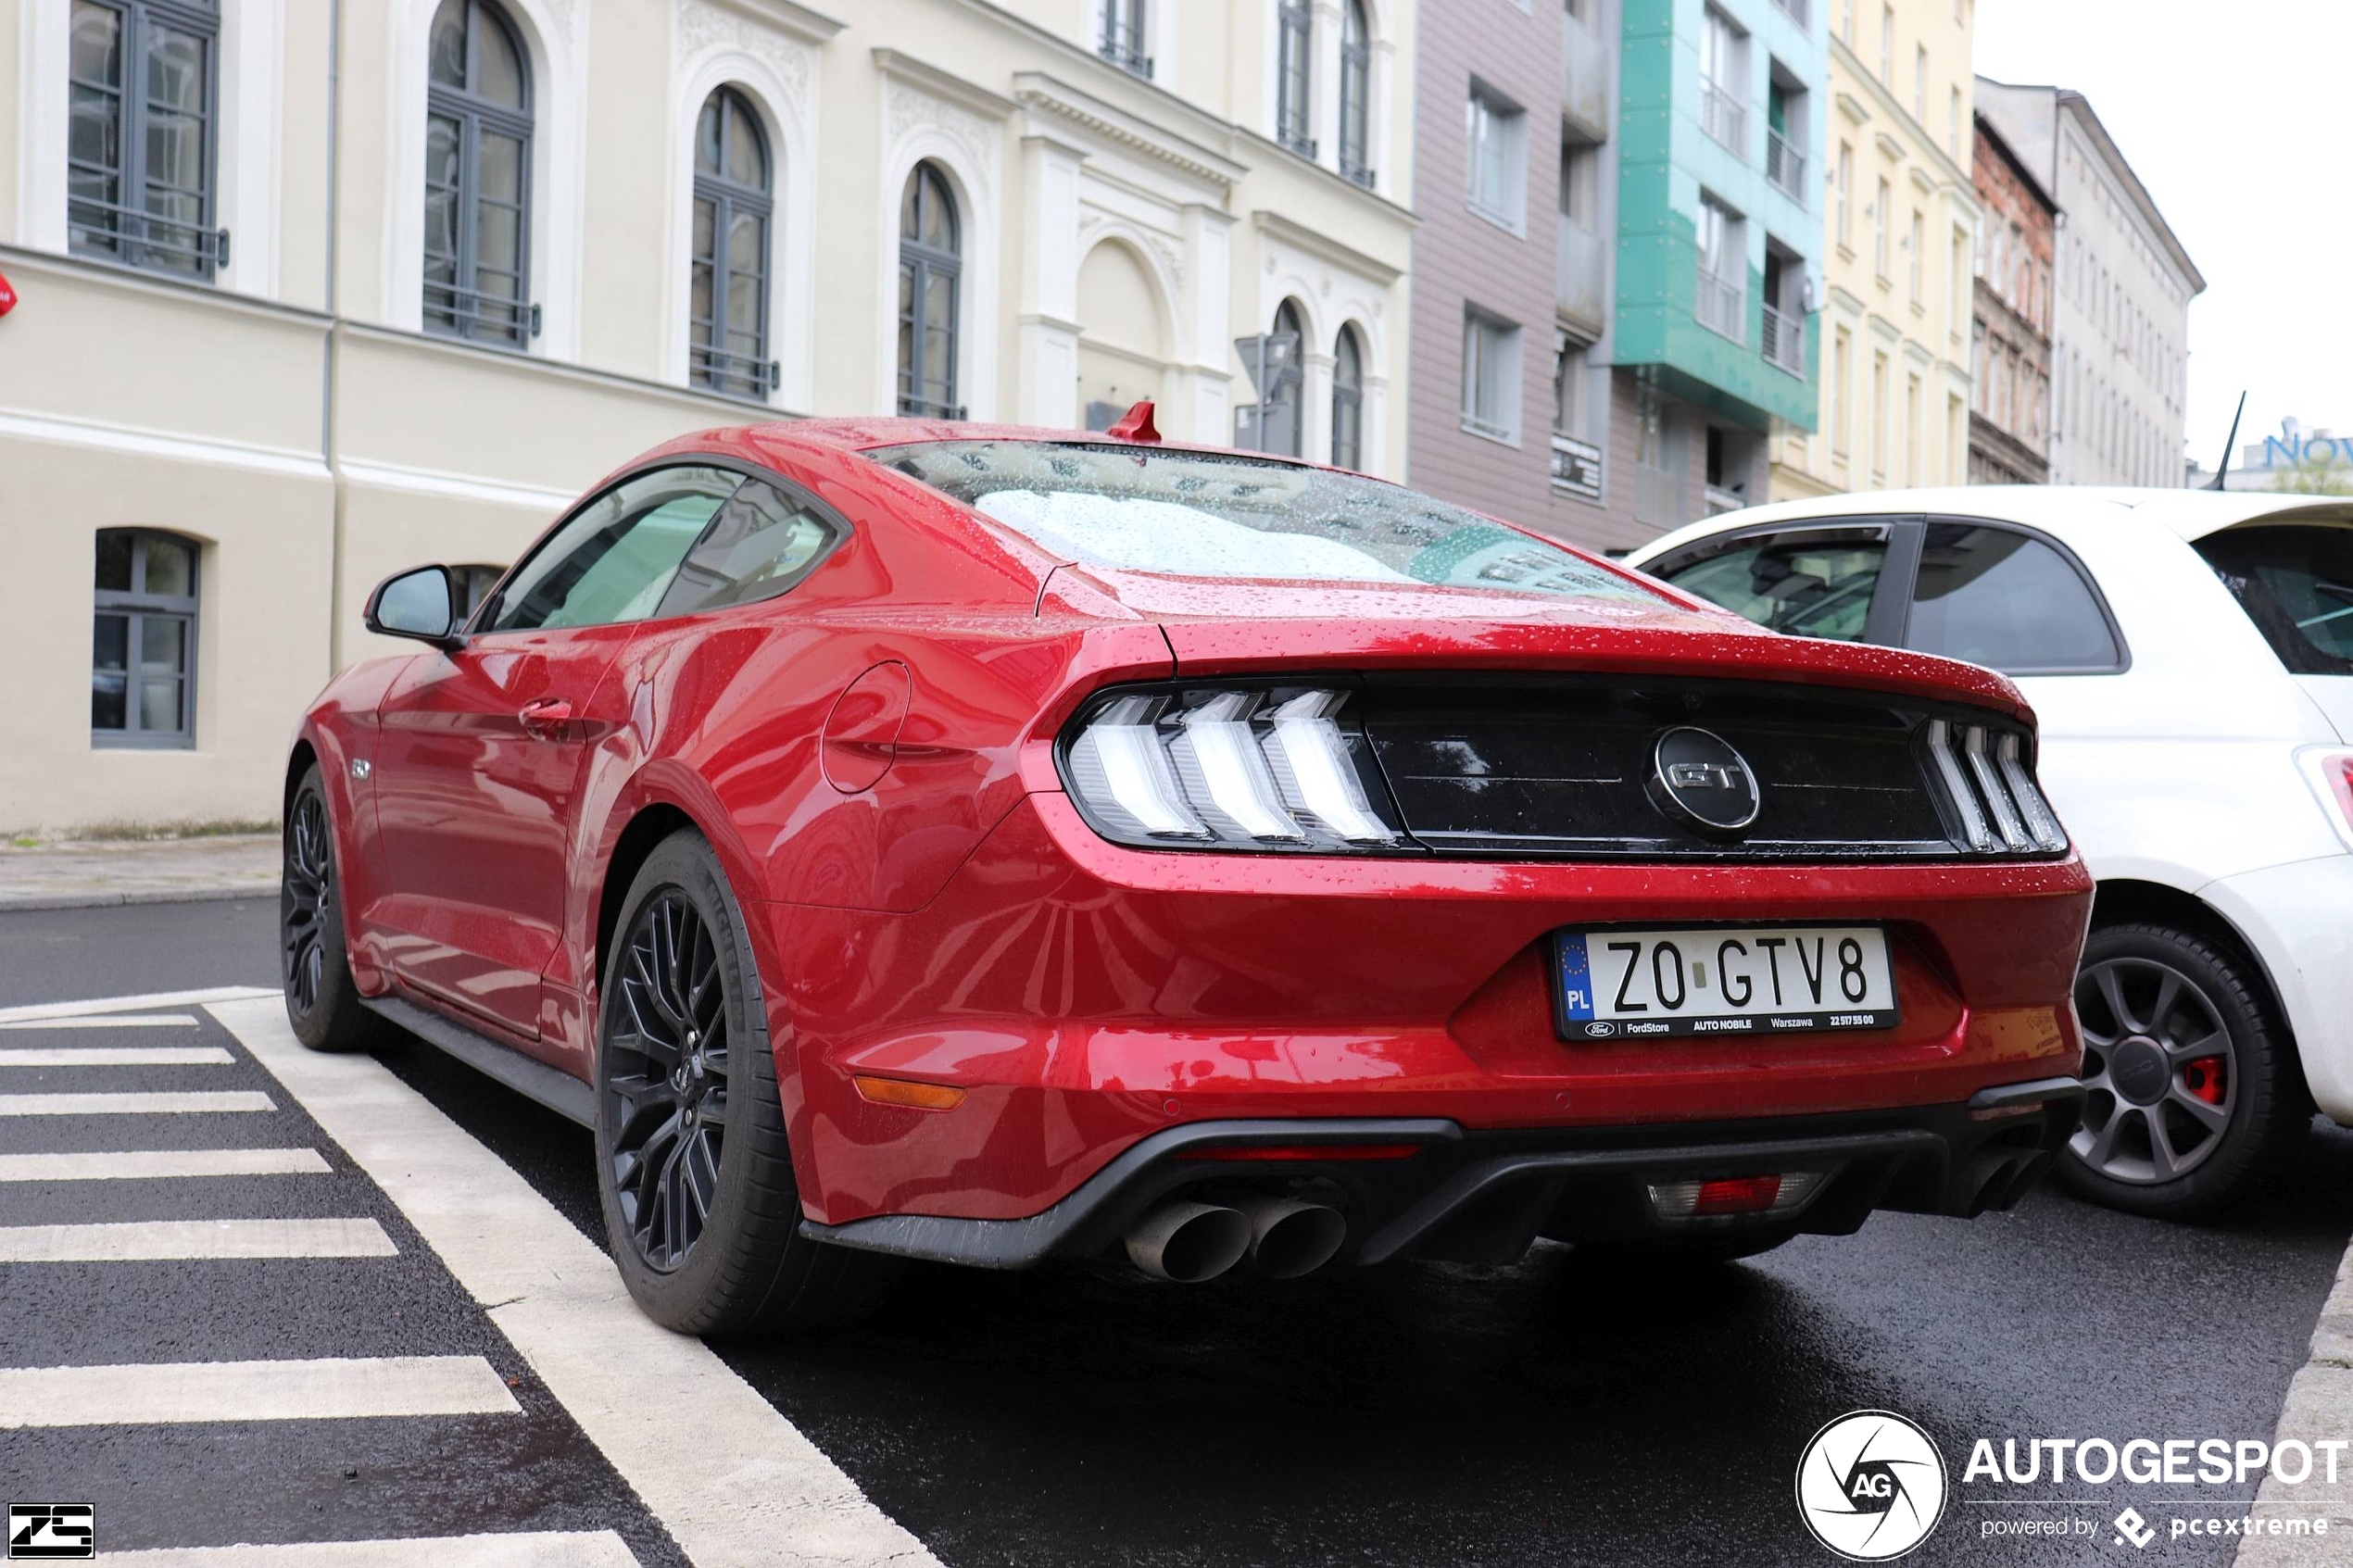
2294,916
1484,1196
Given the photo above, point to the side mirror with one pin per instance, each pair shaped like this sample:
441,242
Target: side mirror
420,603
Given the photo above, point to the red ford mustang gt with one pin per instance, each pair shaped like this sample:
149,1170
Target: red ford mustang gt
911,840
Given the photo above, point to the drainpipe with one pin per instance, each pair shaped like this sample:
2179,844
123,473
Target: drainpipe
327,440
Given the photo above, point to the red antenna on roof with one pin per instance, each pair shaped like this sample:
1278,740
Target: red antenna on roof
1136,424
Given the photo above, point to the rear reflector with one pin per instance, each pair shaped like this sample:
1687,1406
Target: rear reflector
906,1092
1733,1194
1303,1151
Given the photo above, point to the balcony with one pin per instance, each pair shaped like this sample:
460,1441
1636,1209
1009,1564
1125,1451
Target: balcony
1720,501
1785,342
1658,497
1785,166
1796,10
1724,117
1584,79
1576,468
1721,307
1580,275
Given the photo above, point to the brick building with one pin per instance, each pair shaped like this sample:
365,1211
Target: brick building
2010,421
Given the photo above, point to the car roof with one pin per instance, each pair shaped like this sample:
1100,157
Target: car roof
862,435
2066,511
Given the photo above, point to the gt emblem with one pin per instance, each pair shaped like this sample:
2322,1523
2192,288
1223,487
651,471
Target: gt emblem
1698,780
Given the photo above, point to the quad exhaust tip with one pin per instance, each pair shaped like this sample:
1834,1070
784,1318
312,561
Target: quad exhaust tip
1187,1242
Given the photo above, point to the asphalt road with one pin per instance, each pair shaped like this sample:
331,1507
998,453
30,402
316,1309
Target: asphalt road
1550,1413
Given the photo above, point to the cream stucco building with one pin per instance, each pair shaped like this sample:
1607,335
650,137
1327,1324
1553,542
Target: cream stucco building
1899,235
311,290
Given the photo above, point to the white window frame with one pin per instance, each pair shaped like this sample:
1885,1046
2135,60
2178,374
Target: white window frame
1491,348
1496,141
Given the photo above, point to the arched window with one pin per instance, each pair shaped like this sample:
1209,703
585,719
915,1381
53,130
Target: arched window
142,655
478,177
1356,95
929,267
728,314
1282,429
1347,402
139,154
1294,42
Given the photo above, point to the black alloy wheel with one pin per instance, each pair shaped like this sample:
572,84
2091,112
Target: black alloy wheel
305,902
668,1080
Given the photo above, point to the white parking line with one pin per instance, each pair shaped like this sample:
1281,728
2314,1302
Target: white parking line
115,1056
775,1498
188,1101
143,1165
146,1393
141,1240
44,1011
131,1021
578,1548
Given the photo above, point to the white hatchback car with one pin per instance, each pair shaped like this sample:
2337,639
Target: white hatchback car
2190,655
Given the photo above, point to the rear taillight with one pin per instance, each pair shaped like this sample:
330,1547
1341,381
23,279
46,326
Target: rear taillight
1990,780
1721,1196
1226,768
2330,772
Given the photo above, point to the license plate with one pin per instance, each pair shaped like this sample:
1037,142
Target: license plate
1722,980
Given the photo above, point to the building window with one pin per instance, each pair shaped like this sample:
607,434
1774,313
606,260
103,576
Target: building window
478,177
930,267
1842,383
1723,75
729,313
1498,132
1878,228
139,158
1953,125
1887,47
142,660
1491,377
1123,36
1280,431
1721,304
1918,243
1919,86
1294,49
1347,402
1847,196
1846,22
1356,96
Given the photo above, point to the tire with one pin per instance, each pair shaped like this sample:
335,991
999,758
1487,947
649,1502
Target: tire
2164,1011
708,1242
314,967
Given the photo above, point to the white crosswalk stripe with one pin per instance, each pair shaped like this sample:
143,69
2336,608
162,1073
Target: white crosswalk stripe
188,1101
145,1164
114,1056
127,1020
325,1389
569,1549
45,1011
150,1240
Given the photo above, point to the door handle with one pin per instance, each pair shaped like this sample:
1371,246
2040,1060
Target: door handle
544,720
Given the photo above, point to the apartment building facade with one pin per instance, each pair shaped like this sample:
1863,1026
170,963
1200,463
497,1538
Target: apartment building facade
312,292
2010,339
1719,252
1902,233
2120,328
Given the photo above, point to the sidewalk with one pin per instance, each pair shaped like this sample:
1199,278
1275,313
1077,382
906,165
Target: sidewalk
78,874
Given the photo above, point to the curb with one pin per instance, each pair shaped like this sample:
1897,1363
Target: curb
2319,1405
31,902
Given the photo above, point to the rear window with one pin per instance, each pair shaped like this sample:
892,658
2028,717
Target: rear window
2295,582
1194,514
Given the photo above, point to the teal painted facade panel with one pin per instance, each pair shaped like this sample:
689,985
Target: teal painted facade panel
1665,159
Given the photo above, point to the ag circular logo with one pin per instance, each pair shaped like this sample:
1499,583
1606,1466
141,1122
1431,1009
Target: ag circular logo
1698,779
1870,1486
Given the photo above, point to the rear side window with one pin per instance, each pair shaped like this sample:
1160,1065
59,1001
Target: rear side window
761,543
614,560
2007,600
1814,583
2295,582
